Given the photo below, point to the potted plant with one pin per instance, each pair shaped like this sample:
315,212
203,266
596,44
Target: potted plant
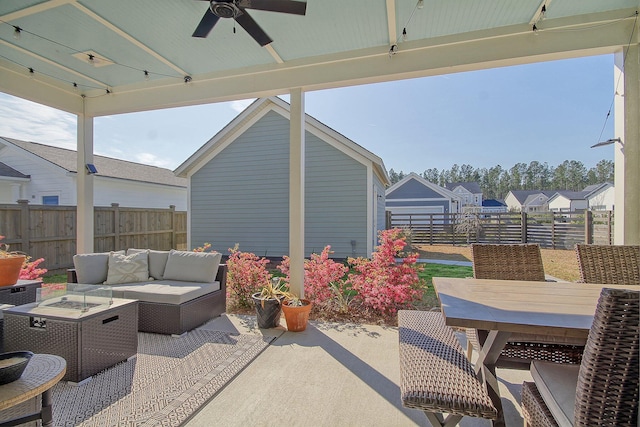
296,312
269,301
10,265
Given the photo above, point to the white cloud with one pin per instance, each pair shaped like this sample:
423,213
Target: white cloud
26,120
152,159
240,106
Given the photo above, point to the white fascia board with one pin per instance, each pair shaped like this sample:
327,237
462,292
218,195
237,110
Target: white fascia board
40,89
503,46
135,181
419,200
14,179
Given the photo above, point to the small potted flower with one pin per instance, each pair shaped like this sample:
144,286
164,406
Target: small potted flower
10,265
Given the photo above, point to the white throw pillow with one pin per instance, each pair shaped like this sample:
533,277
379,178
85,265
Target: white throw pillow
91,269
192,266
127,268
157,261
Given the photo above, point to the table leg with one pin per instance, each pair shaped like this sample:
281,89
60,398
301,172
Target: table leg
47,409
492,343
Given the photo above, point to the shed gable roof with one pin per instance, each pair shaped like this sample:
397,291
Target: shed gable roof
412,178
107,166
258,109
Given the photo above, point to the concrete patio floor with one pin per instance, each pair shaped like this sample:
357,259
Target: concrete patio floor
332,374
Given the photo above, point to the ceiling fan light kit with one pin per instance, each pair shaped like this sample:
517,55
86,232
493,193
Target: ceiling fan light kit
236,10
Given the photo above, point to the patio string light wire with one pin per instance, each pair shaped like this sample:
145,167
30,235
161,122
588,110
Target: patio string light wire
17,35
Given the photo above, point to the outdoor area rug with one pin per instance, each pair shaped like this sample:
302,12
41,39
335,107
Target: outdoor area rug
168,380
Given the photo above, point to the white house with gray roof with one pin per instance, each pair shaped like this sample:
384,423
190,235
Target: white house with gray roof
470,194
239,187
43,174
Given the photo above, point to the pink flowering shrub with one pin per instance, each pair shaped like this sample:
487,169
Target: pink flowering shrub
380,282
246,274
319,272
29,269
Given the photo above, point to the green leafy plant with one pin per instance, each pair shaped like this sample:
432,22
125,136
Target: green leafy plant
275,289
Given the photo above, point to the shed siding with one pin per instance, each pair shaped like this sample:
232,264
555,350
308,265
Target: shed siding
413,189
241,196
335,200
419,203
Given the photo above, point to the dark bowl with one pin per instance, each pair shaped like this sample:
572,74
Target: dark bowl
14,369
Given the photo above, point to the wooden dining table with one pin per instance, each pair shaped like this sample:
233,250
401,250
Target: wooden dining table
503,307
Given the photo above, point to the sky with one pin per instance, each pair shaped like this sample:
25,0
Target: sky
549,112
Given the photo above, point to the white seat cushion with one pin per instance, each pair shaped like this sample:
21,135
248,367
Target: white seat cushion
165,292
557,384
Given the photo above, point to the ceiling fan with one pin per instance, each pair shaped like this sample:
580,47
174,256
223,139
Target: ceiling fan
235,9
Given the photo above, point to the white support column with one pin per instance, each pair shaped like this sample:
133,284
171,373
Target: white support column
296,192
627,153
84,243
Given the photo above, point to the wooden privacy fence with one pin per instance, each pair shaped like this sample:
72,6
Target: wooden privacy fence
557,230
49,232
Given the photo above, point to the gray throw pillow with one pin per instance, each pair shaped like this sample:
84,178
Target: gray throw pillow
92,268
192,266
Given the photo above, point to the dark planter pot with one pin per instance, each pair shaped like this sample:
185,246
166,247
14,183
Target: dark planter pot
267,311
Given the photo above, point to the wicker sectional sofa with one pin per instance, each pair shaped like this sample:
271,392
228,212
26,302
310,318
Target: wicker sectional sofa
178,290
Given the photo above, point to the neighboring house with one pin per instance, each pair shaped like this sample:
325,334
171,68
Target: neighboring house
239,187
43,174
493,206
600,196
568,201
415,195
527,200
470,194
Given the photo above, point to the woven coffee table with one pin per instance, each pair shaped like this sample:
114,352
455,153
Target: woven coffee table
41,374
89,341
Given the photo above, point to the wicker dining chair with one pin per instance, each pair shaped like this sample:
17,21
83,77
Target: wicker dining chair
608,380
519,262
609,264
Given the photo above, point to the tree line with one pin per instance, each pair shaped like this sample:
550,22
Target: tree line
496,181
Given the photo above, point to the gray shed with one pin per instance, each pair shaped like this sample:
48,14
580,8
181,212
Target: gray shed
239,187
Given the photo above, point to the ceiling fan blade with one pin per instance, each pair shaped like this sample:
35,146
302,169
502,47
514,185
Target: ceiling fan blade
208,21
283,6
253,28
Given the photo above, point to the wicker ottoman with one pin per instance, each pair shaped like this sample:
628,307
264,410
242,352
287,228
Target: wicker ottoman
22,292
90,342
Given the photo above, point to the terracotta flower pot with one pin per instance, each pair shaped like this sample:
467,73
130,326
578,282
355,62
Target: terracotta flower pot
297,317
10,269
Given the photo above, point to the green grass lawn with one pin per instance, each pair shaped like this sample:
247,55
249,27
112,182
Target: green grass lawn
55,278
439,270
